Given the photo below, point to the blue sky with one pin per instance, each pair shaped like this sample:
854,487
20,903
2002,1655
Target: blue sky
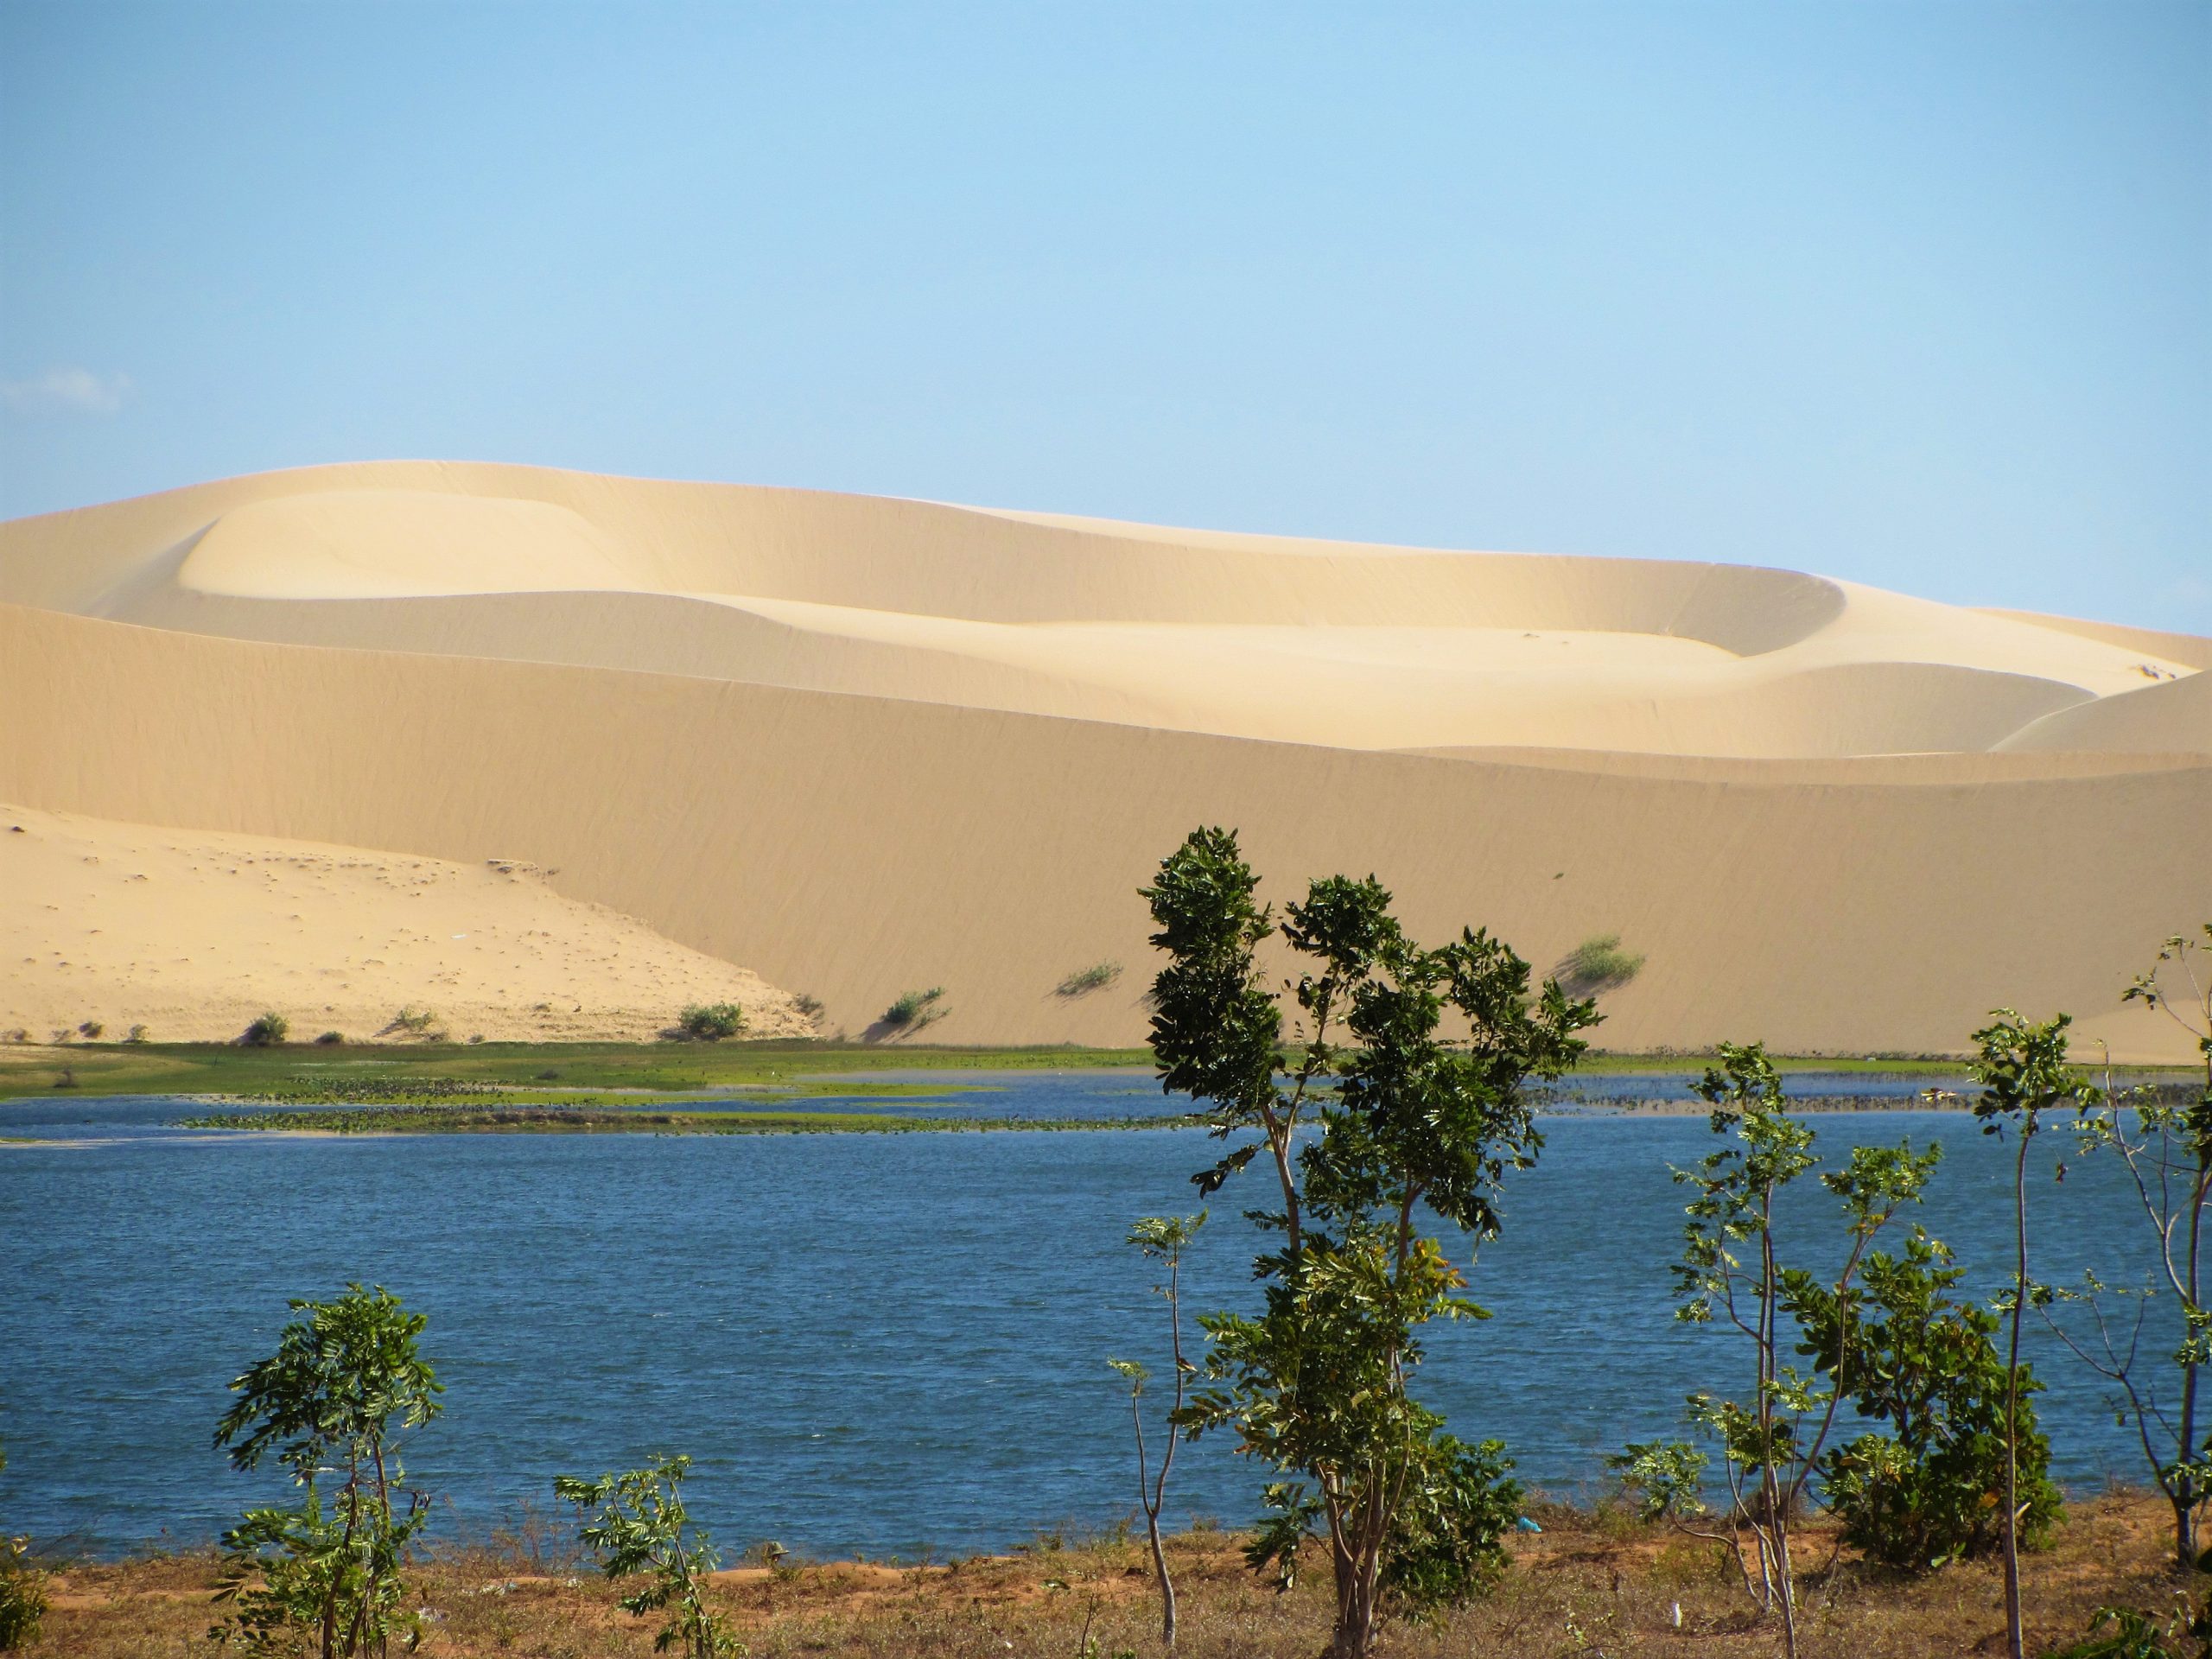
1917,294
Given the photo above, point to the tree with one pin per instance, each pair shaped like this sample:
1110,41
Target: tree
327,1404
1927,1488
2023,1072
1163,1239
1771,1445
2166,1146
637,1523
1425,1120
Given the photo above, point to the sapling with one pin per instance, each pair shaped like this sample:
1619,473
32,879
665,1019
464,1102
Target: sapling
1426,1121
1162,1239
2166,1147
1731,1273
636,1523
2023,1072
328,1404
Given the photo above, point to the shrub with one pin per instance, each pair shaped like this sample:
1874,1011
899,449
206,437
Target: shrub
416,1022
1599,963
709,1022
1930,1489
331,1038
19,1034
22,1595
915,1009
267,1031
92,1031
137,1034
636,1524
809,1007
1096,978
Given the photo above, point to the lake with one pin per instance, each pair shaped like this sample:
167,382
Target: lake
887,1345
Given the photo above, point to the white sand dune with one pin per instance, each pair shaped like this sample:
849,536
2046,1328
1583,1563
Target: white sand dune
192,934
865,746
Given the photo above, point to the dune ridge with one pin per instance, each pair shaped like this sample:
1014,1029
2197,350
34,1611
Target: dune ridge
865,746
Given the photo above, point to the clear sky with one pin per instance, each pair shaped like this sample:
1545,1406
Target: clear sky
1919,294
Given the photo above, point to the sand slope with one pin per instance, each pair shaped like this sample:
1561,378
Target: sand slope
866,746
193,934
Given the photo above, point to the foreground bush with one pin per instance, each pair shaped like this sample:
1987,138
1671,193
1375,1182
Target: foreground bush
328,1404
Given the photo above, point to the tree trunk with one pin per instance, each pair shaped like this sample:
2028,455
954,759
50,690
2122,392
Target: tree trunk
2014,1646
1166,1584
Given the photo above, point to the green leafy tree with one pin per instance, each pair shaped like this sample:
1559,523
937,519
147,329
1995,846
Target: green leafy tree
2023,1070
1428,1051
2166,1147
1162,1239
328,1406
1929,1488
637,1525
1731,1273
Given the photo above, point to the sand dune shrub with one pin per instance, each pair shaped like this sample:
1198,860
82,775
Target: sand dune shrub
137,1034
710,1022
1599,963
1096,978
267,1031
915,1009
92,1031
331,1038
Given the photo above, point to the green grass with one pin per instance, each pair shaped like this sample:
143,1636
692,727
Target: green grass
549,1072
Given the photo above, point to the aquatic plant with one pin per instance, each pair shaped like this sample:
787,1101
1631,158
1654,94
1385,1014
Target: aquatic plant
637,1524
266,1032
1096,978
2023,1072
711,1022
1316,1386
328,1405
1163,1239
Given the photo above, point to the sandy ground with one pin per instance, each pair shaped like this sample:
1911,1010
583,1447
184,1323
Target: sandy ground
867,745
193,935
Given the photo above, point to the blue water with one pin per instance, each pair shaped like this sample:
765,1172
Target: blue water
869,1344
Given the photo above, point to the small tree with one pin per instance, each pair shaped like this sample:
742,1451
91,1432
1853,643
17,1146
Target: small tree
636,1523
1163,1239
712,1022
2023,1072
2165,1145
1732,1271
1928,1488
1316,1385
327,1404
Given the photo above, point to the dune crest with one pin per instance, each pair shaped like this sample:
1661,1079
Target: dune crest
867,745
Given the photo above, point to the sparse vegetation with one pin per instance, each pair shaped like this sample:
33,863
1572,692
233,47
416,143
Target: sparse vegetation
416,1022
809,1007
1084,980
138,1035
92,1031
915,1009
1599,963
637,1525
711,1022
266,1032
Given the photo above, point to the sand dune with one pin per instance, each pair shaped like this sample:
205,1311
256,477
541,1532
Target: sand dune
192,935
863,745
